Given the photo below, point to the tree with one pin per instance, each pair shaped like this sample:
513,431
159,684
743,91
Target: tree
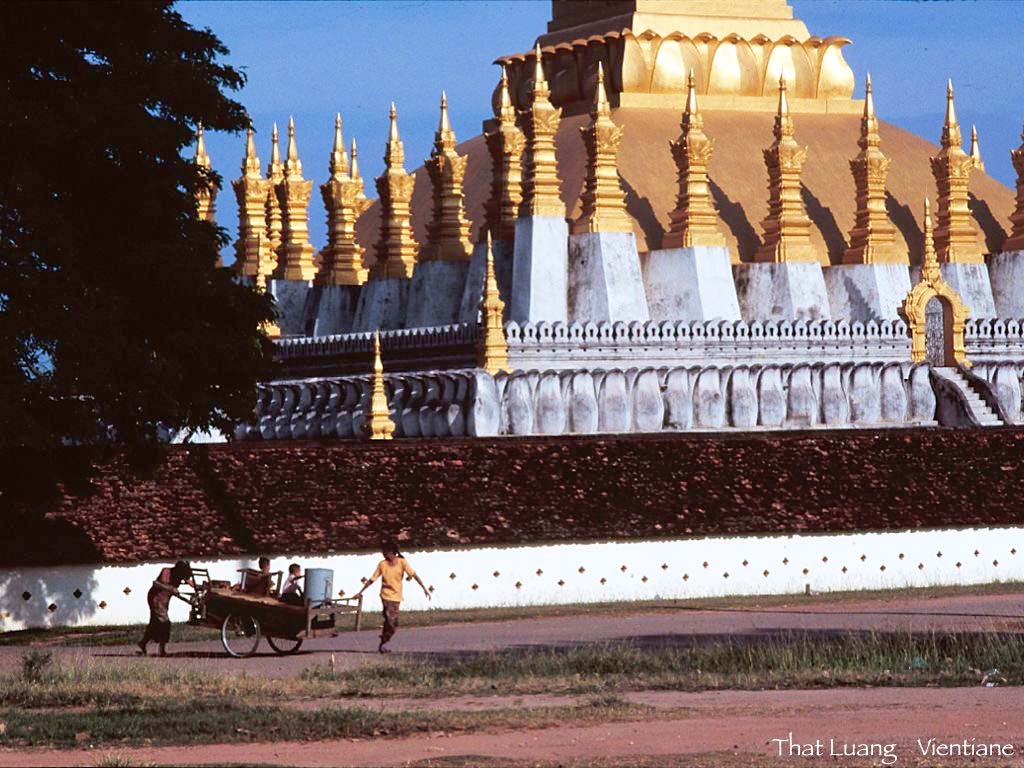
115,319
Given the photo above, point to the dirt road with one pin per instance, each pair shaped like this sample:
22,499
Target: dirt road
997,612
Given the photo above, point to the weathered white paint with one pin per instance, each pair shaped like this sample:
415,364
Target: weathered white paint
531,575
865,292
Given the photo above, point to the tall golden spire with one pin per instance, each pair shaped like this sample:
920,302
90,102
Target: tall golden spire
275,175
787,230
956,238
976,150
602,202
694,220
253,256
541,185
341,260
295,259
1015,242
396,248
448,230
492,346
379,426
206,192
505,142
873,237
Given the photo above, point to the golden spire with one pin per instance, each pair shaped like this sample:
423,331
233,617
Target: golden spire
341,260
929,261
339,158
253,256
956,238
693,221
541,185
295,256
206,192
1015,242
354,170
787,230
396,248
379,426
602,201
448,230
505,142
492,347
976,150
873,237
275,174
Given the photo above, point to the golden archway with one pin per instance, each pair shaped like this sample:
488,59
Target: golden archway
933,286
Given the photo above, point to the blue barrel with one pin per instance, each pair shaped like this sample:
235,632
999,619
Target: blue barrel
319,585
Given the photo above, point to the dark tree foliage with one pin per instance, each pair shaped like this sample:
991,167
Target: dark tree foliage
114,318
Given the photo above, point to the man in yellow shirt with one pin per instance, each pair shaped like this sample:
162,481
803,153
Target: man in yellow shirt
391,570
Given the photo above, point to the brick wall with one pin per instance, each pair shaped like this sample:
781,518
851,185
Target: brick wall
320,497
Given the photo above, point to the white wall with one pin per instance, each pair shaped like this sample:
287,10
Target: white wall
631,570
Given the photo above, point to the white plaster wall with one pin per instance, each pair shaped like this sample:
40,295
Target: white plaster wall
569,573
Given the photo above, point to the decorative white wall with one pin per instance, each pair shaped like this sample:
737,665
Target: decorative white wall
567,573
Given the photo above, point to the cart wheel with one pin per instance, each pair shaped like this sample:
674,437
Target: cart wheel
284,646
240,635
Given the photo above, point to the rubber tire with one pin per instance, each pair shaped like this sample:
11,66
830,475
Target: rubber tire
224,636
284,651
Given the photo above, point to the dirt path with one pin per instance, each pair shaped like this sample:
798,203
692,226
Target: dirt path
740,724
667,626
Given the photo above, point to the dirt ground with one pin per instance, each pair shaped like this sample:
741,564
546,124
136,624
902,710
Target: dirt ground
722,728
738,725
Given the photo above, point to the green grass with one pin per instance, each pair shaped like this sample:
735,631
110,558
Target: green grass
789,660
200,722
182,633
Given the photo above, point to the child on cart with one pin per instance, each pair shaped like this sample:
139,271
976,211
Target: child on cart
291,592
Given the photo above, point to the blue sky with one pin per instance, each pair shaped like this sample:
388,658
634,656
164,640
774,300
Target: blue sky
311,60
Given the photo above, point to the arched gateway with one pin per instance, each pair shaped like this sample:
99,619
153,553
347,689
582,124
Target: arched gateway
934,312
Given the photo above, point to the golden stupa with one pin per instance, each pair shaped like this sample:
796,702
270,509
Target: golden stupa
737,50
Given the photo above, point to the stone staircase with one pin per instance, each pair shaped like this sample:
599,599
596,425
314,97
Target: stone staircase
981,411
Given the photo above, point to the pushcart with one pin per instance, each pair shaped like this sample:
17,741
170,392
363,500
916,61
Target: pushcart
244,613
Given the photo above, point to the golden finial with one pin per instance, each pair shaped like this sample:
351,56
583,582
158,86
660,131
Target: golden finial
292,166
380,426
354,171
338,166
539,80
396,249
873,237
602,201
394,152
448,229
505,142
787,229
541,185
956,237
276,168
202,159
976,150
205,192
1015,242
506,110
951,135
251,162
693,221
492,347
